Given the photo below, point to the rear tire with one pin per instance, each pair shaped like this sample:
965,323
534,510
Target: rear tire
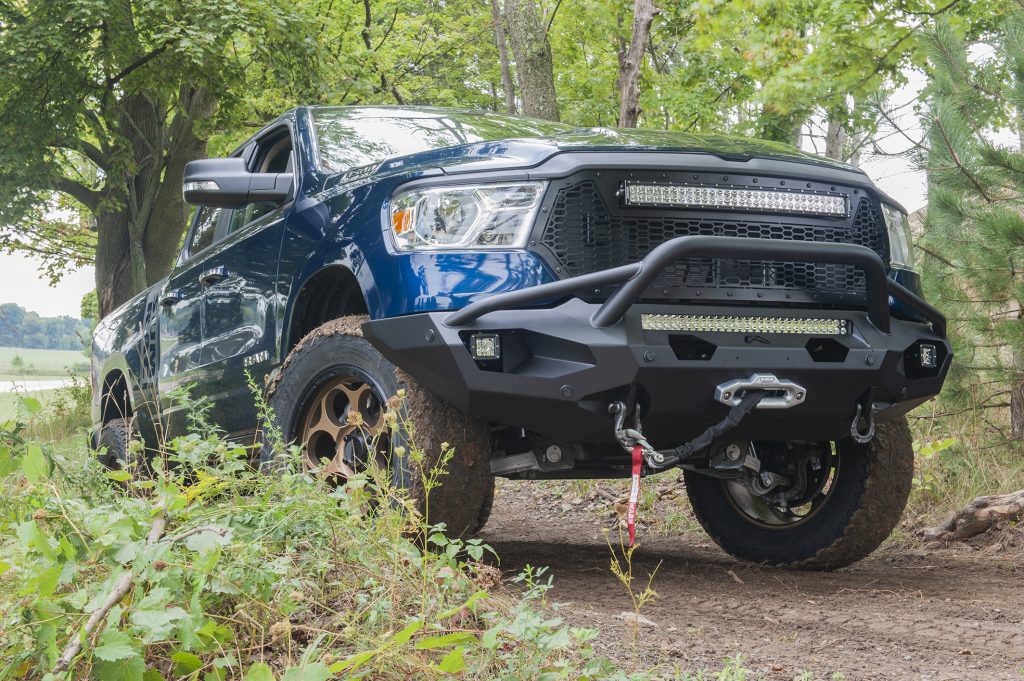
114,449
870,494
337,352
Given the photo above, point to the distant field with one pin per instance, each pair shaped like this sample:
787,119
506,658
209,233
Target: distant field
9,403
41,362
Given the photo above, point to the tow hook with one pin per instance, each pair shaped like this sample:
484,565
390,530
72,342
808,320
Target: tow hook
633,437
640,451
866,436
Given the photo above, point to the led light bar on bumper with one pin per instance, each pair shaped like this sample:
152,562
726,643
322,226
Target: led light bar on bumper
703,196
724,324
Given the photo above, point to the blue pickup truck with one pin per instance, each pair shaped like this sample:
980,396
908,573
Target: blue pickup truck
553,303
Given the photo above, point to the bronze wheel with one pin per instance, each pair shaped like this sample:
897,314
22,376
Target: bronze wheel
343,431
330,398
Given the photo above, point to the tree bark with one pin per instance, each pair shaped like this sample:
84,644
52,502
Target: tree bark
859,139
139,231
630,62
835,140
980,515
528,37
113,261
1017,410
506,70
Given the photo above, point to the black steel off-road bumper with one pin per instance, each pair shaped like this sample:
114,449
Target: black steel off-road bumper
561,365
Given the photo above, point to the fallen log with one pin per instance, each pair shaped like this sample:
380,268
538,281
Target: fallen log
978,516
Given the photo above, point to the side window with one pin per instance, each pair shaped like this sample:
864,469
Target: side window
273,155
243,216
206,225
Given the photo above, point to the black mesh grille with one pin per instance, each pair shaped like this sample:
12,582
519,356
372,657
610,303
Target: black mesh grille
584,237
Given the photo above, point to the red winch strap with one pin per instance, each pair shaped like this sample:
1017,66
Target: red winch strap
634,492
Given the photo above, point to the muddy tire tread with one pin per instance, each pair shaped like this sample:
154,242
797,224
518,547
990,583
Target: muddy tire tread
881,496
114,437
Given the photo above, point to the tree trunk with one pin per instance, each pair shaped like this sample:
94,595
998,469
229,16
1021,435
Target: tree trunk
138,239
506,71
859,139
113,261
529,39
1020,130
835,140
1017,410
630,62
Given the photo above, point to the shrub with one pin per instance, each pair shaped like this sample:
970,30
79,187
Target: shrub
207,569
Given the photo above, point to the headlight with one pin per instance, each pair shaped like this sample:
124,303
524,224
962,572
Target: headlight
468,216
900,246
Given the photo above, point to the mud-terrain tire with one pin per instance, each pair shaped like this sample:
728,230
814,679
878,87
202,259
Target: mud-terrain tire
869,495
485,508
112,444
114,447
338,349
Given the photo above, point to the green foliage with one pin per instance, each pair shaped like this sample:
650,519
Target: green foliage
747,66
101,105
90,307
928,470
23,329
621,566
253,576
973,234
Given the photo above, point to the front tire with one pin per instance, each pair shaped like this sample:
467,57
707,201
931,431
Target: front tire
334,368
871,486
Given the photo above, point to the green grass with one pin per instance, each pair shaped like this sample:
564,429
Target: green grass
231,572
10,403
41,363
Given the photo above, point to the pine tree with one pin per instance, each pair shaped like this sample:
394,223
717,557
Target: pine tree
973,239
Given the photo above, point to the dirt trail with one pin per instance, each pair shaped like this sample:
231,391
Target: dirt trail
901,614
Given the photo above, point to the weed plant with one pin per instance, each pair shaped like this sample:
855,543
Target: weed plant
231,573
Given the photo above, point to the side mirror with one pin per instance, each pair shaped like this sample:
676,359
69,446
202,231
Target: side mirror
226,183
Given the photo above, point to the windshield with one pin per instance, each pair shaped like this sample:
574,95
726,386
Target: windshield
352,137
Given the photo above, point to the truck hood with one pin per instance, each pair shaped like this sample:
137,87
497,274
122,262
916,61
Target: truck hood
529,152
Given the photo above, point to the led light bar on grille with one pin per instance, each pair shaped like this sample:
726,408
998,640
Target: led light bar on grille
698,196
723,324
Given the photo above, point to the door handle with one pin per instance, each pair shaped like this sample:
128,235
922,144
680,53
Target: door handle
213,275
170,298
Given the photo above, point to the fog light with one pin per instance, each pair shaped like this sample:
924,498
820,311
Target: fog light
485,346
929,356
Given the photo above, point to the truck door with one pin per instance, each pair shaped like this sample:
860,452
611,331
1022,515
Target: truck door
239,298
181,319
